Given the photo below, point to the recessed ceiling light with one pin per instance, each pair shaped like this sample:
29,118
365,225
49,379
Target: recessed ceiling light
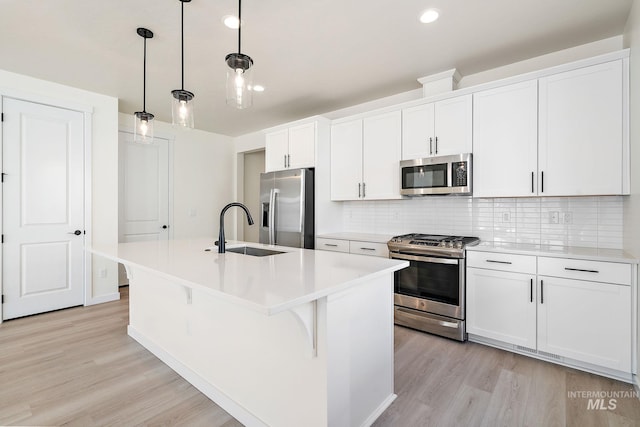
429,16
258,88
231,21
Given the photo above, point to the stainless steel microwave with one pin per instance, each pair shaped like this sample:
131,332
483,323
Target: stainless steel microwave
436,175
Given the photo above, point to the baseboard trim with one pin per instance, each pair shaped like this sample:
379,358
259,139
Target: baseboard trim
379,410
215,394
103,298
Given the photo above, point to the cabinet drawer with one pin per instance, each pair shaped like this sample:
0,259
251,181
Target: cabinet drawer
502,262
332,245
369,248
595,271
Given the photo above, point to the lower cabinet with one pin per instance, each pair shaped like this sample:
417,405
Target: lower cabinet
502,306
577,312
353,246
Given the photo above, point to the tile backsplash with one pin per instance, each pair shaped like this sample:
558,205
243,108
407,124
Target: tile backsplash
594,222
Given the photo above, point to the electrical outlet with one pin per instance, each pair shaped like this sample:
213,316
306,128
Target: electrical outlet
553,217
506,216
567,218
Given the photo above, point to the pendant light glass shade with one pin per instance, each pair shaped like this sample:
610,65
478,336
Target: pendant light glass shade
182,108
182,100
239,80
143,121
239,73
143,131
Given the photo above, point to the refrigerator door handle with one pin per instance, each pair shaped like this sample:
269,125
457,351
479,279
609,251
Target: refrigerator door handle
270,216
273,236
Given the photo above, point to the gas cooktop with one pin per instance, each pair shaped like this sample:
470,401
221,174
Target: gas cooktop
431,244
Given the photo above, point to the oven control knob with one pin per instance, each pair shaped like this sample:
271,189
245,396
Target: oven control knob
442,244
459,245
449,244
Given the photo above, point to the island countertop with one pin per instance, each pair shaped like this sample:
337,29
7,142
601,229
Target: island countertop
270,284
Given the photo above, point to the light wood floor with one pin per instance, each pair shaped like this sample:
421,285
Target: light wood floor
78,367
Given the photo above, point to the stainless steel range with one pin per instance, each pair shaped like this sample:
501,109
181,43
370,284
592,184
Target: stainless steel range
430,293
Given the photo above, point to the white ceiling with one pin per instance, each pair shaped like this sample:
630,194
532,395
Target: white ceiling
312,56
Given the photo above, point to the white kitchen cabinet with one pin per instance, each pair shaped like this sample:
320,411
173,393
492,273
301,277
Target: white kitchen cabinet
502,306
365,158
501,297
581,131
361,247
505,141
585,311
437,129
570,310
346,160
291,148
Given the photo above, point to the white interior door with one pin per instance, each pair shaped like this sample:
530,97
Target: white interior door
144,189
43,208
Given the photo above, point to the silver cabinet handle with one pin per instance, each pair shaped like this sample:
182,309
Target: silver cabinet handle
331,245
542,182
436,145
359,189
285,160
579,269
288,160
541,291
364,191
531,290
430,145
367,249
499,262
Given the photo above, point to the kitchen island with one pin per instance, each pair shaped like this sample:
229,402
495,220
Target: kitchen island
296,338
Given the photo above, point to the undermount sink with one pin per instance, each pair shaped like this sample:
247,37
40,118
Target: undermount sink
250,250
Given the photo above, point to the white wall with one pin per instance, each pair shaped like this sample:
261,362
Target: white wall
632,203
104,148
202,177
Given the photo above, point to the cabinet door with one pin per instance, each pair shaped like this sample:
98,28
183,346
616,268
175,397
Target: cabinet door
581,131
586,321
502,306
453,124
505,141
418,132
302,146
346,160
276,150
381,156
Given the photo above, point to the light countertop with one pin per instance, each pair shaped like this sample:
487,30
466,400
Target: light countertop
270,284
609,255
364,237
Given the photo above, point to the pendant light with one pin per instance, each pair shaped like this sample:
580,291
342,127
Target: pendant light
182,100
239,91
143,121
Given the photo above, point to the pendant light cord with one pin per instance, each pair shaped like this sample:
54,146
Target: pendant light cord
144,78
182,39
239,23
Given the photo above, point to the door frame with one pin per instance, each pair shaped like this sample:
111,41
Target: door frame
170,139
87,112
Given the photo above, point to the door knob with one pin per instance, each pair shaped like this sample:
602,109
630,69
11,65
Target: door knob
164,227
77,232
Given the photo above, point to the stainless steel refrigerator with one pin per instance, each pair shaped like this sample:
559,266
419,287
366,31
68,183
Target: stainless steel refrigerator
286,204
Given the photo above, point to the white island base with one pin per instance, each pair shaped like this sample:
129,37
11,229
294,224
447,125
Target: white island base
328,362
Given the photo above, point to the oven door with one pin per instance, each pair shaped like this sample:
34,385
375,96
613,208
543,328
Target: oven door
431,284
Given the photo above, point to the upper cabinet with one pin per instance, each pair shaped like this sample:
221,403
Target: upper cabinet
291,148
560,135
437,129
581,131
365,158
505,141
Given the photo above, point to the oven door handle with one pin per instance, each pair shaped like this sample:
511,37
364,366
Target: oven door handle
418,258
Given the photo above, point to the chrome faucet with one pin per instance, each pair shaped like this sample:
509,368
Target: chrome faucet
220,241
